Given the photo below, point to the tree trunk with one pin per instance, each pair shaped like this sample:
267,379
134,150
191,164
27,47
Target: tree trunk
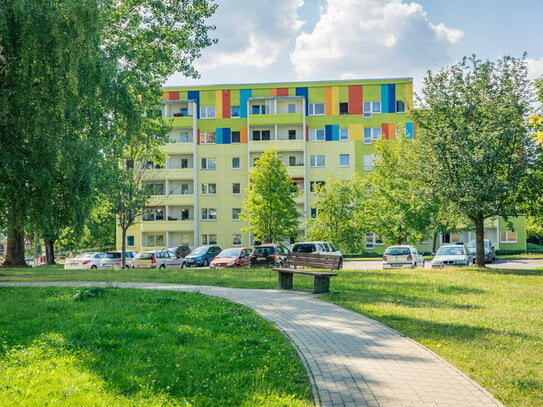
15,251
49,251
123,248
479,241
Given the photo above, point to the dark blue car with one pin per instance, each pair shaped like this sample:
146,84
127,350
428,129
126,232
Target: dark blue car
202,256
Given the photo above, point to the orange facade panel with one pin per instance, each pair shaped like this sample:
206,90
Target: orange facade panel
243,135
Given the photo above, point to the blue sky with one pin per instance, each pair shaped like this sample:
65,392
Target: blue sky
293,40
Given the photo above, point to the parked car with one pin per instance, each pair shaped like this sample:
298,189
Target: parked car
233,257
269,255
180,251
202,255
490,251
316,247
90,260
114,259
402,256
159,259
452,255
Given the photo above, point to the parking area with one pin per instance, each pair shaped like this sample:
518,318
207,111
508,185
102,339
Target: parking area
514,264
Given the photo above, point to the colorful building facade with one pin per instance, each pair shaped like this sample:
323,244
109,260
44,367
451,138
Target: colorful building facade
321,129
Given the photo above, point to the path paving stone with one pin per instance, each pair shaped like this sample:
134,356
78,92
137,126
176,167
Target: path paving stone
351,360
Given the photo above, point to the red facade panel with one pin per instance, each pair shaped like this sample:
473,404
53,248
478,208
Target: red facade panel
282,92
173,96
226,103
355,99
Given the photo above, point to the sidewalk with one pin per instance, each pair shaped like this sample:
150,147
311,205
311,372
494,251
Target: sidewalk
352,360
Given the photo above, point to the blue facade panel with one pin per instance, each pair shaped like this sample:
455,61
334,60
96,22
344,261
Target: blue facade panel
410,130
195,95
244,96
304,92
328,129
384,99
392,98
225,136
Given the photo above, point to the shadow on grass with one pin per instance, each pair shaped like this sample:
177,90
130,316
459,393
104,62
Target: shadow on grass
515,272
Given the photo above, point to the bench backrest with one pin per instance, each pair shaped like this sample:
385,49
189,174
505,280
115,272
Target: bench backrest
315,260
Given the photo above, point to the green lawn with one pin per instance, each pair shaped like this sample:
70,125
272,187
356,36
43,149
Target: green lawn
488,323
122,347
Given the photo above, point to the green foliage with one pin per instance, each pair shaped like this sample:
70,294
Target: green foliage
136,347
269,208
476,147
341,214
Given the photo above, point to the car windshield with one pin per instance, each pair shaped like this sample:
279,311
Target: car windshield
451,250
144,256
200,250
229,253
113,255
397,251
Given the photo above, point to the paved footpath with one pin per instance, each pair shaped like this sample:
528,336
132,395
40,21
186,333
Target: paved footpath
352,360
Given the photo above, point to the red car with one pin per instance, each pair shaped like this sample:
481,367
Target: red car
233,257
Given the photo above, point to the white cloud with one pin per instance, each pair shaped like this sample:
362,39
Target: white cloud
251,33
535,68
362,38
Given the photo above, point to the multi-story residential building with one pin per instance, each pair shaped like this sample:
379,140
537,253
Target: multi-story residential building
320,129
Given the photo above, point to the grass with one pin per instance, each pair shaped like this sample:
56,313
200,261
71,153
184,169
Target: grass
488,323
122,347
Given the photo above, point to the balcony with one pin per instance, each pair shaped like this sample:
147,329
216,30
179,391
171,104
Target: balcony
167,225
276,119
175,200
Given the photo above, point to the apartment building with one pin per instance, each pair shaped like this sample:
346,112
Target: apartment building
321,129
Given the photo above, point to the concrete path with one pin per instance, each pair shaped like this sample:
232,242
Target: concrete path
352,360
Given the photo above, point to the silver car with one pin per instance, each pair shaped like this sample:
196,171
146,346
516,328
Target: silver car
114,259
159,259
490,251
453,255
402,256
89,260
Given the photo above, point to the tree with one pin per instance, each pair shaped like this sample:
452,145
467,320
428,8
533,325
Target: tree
269,208
341,214
475,145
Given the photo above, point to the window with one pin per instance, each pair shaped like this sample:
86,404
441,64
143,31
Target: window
368,162
156,188
130,241
235,137
236,188
292,161
508,236
209,239
236,239
371,134
209,163
209,214
317,135
185,163
208,137
317,161
344,134
315,109
371,107
184,137
207,112
291,108
313,213
209,189
154,240
185,189
292,134
344,108
314,185
234,111
185,214
373,239
400,106
344,160
261,135
235,213
235,163
298,183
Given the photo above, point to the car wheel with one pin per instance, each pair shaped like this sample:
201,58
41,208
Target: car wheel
93,267
206,263
162,267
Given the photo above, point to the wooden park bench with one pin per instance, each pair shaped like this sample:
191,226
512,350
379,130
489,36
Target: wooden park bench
321,282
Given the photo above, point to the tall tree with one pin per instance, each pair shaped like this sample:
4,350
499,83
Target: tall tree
341,214
476,147
269,208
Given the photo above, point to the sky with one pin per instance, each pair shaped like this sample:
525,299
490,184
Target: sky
306,40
